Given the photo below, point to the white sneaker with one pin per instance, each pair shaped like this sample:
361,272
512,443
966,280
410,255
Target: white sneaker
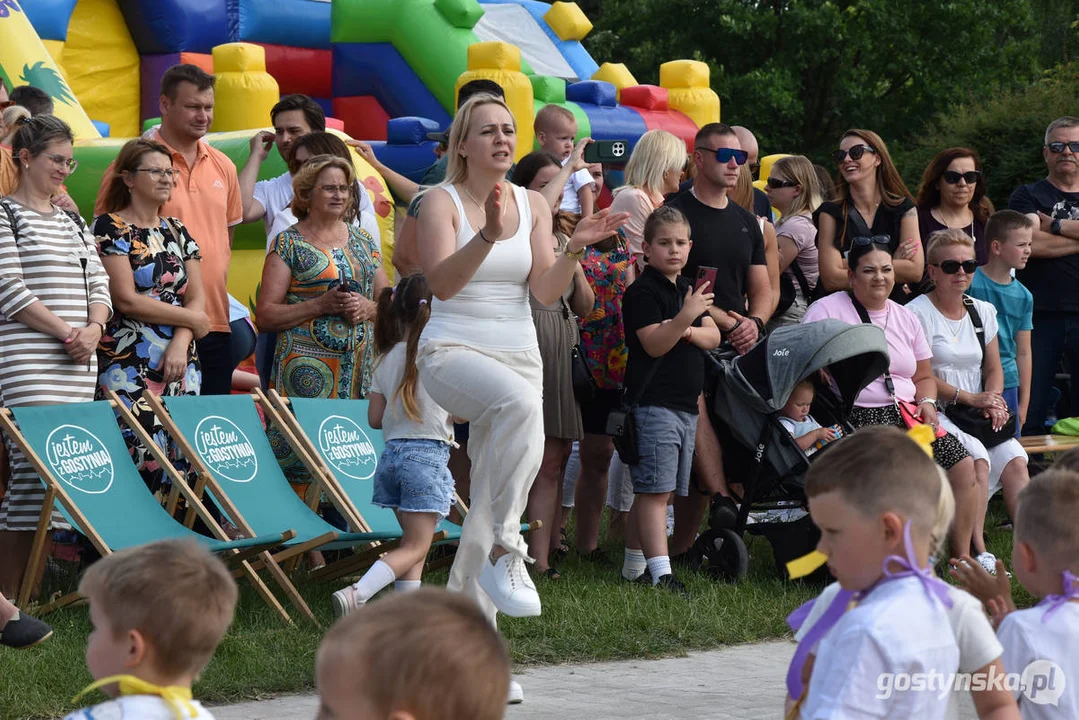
988,561
509,586
344,602
517,694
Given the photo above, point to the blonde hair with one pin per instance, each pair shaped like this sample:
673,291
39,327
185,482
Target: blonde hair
304,182
430,653
549,115
946,238
742,192
657,153
799,169
14,116
457,166
1045,518
174,592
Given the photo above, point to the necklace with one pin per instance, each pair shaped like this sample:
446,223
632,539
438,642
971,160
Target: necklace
471,196
938,212
954,326
329,245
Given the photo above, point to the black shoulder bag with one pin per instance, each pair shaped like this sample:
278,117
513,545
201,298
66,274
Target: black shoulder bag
970,419
622,424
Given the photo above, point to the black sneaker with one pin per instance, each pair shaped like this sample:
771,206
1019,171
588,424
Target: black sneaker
24,631
644,578
670,582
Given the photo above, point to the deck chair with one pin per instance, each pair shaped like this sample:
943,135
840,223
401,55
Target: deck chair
344,452
83,462
223,438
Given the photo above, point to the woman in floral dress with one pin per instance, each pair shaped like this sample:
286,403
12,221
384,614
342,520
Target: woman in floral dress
156,285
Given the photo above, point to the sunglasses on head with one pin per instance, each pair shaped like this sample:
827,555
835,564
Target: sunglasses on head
1058,147
951,267
971,176
855,153
777,183
724,155
874,240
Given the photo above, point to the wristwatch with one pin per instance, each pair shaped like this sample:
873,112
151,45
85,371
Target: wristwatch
1054,227
931,400
760,326
573,255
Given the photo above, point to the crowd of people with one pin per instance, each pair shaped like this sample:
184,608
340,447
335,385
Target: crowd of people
524,320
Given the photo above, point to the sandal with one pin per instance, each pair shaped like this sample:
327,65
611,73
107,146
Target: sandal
552,573
23,631
563,545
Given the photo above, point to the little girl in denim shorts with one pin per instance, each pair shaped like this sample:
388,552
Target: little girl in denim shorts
413,476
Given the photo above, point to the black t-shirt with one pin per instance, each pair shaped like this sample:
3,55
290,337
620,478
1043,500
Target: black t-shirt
1054,282
761,206
650,300
730,240
886,222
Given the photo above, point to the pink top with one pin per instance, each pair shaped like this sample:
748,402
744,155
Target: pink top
639,206
906,344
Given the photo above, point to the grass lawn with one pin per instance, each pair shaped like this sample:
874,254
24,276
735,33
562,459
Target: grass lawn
589,615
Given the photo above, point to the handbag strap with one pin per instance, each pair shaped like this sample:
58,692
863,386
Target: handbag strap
647,380
12,220
863,314
979,332
800,277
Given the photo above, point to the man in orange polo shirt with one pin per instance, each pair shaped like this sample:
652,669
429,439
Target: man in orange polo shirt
206,199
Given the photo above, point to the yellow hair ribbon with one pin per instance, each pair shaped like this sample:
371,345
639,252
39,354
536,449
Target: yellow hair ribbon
177,698
924,435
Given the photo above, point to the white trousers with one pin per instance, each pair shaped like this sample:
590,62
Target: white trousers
500,394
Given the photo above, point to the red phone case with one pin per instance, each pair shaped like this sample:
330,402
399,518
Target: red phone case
705,274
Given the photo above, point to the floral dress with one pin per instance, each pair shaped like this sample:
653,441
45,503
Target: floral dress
131,351
603,337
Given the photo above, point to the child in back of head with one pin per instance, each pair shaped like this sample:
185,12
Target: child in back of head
413,476
795,416
430,655
556,129
877,497
158,613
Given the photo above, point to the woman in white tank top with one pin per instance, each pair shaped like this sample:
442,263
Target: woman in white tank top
483,244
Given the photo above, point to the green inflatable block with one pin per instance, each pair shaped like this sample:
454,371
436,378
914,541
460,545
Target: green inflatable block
461,13
548,89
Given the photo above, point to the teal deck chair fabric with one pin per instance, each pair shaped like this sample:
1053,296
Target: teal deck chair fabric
83,449
227,434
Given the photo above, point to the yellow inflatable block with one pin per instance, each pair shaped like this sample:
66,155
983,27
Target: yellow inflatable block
684,74
568,21
689,90
24,60
766,165
501,62
102,65
616,74
245,92
56,52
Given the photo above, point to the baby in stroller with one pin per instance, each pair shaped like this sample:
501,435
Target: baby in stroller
806,431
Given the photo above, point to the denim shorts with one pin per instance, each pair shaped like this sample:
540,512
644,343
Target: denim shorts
665,440
413,476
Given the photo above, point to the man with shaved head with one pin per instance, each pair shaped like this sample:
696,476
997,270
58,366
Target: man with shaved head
748,140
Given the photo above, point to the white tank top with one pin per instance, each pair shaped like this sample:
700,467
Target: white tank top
492,311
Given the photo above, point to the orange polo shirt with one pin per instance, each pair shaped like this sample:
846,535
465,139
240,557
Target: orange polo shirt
206,199
9,175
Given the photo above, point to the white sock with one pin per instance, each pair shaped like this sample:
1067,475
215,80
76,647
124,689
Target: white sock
377,577
633,565
659,566
401,586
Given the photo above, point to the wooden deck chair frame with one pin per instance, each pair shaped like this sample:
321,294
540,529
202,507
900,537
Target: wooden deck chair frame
206,479
237,560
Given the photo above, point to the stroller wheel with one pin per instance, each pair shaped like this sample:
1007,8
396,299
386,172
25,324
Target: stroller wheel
725,553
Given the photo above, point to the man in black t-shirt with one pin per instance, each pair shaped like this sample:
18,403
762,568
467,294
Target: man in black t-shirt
728,238
1052,275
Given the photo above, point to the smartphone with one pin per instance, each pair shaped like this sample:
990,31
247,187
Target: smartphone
705,274
610,152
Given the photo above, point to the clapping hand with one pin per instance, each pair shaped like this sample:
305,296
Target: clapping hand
596,228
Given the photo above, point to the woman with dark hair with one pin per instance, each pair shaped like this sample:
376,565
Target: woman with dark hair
952,195
54,302
558,335
870,201
155,278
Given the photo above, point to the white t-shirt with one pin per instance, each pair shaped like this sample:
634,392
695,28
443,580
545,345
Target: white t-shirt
434,421
276,197
136,707
978,644
571,202
898,628
957,359
1026,639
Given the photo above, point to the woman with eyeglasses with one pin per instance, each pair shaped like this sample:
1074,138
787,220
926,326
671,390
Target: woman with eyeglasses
968,373
54,299
952,195
794,190
155,278
871,201
907,394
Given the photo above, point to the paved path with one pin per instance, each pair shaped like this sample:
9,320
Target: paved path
743,682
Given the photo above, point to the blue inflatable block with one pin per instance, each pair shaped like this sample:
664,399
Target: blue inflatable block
102,127
595,92
412,161
410,130
571,50
295,23
615,123
326,104
50,18
171,26
377,69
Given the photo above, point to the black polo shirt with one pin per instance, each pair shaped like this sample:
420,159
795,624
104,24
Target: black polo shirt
650,300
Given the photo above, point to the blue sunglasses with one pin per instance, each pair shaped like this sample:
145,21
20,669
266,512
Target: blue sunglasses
724,155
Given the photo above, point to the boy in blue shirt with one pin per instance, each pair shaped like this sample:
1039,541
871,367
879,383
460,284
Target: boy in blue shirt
1010,236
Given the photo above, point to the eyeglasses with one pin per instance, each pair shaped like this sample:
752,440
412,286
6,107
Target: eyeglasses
724,155
1058,147
776,183
64,162
951,267
971,176
159,173
855,153
336,189
882,240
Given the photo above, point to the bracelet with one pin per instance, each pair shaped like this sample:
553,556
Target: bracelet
955,398
99,324
484,237
760,325
734,327
573,255
690,338
930,400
